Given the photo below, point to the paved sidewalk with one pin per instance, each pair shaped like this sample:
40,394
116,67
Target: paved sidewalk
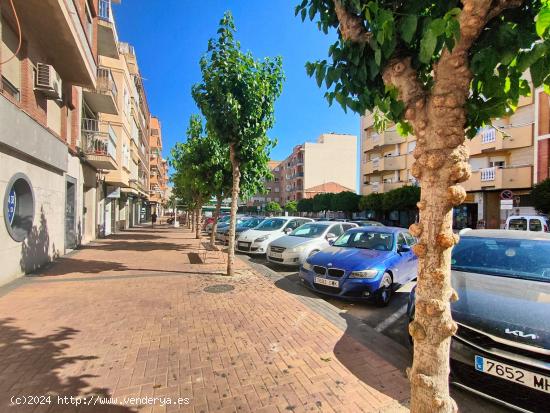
140,314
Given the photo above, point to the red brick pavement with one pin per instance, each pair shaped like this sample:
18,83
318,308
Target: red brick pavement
128,316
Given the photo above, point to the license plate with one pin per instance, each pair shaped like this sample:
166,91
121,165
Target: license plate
243,244
324,281
275,255
511,373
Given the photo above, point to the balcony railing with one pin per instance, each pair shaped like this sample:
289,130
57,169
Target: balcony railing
487,174
106,82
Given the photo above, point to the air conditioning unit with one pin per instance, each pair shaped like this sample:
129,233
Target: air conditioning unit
48,81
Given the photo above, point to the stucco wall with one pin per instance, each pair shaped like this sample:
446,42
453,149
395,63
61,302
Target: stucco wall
46,239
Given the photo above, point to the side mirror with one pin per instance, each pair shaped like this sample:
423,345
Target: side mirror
331,238
404,248
287,230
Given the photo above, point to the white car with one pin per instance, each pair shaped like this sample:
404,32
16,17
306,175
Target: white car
296,247
255,241
537,223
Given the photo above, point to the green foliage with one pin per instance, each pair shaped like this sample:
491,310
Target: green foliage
273,206
540,194
404,198
371,202
291,206
516,41
237,96
347,202
322,202
305,205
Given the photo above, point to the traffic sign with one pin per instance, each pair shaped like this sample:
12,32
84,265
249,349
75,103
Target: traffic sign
507,204
506,194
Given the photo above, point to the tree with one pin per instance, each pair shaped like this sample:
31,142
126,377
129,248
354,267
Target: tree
291,206
373,203
347,202
322,202
440,70
540,194
305,205
273,207
404,198
237,96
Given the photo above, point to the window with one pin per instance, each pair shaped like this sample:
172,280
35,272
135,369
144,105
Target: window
89,23
11,71
410,239
535,225
401,241
336,230
345,227
293,224
497,164
518,224
309,230
19,207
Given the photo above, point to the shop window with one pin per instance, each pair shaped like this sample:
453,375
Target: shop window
19,207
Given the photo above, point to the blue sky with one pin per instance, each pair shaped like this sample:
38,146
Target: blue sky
171,35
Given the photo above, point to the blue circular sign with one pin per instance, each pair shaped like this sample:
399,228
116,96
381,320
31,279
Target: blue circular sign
12,204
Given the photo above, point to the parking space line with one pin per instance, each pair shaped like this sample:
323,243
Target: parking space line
392,319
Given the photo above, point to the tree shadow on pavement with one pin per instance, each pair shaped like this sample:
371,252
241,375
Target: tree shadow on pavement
135,246
30,365
66,265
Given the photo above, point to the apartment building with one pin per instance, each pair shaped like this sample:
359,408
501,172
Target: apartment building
65,132
502,158
272,187
158,180
330,161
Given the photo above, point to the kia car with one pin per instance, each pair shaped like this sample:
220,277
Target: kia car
502,347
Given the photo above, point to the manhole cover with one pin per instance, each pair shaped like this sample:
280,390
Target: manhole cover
219,288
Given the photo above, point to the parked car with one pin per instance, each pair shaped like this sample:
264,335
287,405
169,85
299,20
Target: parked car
255,241
223,226
363,263
309,239
244,225
535,223
222,219
368,223
502,347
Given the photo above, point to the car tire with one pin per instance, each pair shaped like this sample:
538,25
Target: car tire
384,293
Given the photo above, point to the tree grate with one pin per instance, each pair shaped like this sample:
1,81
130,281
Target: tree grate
219,288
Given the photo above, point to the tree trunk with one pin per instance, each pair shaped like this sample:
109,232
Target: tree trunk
233,214
216,217
198,222
192,220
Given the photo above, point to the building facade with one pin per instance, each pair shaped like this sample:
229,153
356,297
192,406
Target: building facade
158,180
68,148
503,157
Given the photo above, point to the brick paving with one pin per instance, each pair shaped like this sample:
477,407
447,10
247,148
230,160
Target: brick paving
129,317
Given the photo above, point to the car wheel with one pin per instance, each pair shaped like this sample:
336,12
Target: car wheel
383,295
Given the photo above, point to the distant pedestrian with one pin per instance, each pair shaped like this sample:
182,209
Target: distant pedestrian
153,219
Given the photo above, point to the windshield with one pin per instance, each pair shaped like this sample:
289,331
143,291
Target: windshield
225,218
251,223
381,241
309,231
518,258
271,224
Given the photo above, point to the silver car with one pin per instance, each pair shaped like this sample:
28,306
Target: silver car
294,248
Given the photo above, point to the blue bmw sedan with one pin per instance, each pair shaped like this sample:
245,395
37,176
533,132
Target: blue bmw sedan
363,263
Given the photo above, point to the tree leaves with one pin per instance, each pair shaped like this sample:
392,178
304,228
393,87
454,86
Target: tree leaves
408,27
543,21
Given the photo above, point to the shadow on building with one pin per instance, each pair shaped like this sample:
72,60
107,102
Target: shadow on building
35,249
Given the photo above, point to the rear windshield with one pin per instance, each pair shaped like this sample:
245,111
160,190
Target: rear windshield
527,259
271,224
518,224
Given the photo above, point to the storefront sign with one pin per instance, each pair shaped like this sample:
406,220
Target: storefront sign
11,205
113,192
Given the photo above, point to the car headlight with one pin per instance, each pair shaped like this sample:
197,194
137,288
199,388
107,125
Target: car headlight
299,248
307,266
363,274
262,238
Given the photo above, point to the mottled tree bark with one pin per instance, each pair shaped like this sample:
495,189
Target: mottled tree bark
192,220
216,217
198,221
438,117
234,205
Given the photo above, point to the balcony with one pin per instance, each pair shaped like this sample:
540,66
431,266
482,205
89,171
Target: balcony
107,37
390,163
103,99
379,140
98,144
56,30
130,55
492,140
514,177
381,187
